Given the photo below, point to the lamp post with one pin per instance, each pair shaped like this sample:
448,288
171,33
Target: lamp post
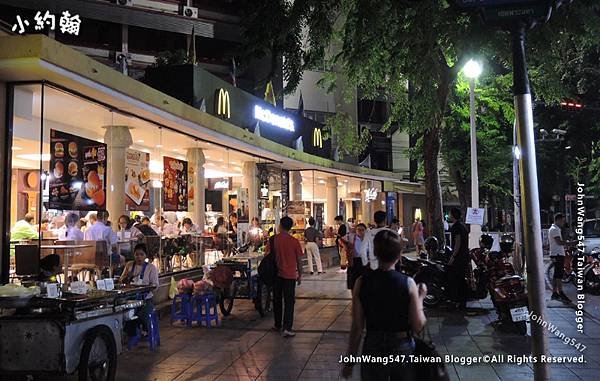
472,70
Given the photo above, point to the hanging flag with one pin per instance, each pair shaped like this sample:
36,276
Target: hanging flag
233,72
191,53
270,94
301,105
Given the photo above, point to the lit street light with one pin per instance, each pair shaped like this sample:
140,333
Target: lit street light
472,70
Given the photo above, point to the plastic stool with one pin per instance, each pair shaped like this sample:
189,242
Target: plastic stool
185,311
153,333
206,309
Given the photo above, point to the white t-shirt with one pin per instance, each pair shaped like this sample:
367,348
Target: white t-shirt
555,248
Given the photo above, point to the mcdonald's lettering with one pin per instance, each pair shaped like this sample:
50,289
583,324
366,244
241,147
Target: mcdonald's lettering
223,103
317,139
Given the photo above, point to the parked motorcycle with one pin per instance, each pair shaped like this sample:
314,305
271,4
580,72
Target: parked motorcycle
591,273
507,290
432,271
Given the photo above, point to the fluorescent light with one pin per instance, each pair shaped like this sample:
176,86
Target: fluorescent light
35,156
139,141
159,146
17,148
175,150
156,166
215,173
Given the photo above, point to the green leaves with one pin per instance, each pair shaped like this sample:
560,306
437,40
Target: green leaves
350,141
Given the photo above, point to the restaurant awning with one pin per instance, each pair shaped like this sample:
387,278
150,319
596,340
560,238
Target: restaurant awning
39,58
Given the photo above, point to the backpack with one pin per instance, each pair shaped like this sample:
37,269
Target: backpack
267,268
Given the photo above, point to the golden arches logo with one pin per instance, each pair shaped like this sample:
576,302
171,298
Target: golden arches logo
223,103
317,138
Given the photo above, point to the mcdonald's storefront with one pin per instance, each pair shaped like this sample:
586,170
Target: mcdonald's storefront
78,137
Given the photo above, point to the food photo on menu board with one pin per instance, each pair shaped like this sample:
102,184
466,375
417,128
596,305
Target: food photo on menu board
137,180
77,178
175,184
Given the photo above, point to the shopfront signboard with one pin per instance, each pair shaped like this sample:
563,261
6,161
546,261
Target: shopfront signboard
137,180
279,120
175,185
77,178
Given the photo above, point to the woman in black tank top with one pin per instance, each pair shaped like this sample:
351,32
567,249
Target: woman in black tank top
390,305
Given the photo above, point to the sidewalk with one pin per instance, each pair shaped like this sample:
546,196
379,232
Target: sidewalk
243,348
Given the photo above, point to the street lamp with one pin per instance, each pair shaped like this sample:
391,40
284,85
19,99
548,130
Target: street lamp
472,70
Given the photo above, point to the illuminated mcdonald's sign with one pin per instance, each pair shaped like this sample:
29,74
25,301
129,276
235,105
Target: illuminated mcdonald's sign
223,103
317,138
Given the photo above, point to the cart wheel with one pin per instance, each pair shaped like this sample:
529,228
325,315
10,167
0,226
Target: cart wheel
226,301
263,299
98,361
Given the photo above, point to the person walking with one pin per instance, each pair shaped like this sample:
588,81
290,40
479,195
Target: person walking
369,260
557,254
289,269
341,232
311,238
459,261
353,242
417,234
390,306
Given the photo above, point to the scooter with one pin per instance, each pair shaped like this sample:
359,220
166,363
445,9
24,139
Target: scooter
432,271
591,273
507,290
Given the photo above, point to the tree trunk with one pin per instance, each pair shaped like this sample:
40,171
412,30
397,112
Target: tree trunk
433,190
463,188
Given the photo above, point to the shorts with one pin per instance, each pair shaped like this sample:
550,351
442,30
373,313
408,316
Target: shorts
559,266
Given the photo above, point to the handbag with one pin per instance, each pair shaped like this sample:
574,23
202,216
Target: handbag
267,268
429,371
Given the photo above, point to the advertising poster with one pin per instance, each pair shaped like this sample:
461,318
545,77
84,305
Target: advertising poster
297,211
243,205
175,183
263,181
137,180
77,179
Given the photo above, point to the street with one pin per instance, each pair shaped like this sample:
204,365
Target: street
243,348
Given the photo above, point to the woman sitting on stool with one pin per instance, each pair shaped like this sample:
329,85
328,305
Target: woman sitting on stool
140,272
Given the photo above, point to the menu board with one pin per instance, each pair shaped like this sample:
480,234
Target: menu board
175,183
77,179
137,180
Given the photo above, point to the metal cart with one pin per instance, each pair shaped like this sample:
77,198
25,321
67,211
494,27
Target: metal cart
246,284
72,333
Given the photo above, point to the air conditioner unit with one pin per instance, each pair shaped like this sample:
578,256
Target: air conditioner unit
125,3
190,12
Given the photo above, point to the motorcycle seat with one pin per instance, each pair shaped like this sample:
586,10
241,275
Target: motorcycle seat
508,278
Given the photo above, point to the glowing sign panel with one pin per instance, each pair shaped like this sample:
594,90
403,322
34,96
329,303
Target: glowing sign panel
276,120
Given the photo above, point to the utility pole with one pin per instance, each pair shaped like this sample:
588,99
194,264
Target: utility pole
530,204
518,254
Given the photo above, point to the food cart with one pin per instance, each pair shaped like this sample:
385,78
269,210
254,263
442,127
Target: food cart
245,284
71,333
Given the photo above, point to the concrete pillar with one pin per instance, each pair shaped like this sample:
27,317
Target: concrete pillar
117,139
331,204
5,176
196,208
250,181
295,186
366,208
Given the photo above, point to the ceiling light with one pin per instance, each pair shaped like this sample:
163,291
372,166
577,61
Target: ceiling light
139,141
159,146
207,157
16,148
175,150
35,156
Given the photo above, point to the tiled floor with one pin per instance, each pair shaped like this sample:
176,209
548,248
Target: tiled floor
243,348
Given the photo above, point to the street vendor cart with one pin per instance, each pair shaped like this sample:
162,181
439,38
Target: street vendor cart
245,283
67,334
